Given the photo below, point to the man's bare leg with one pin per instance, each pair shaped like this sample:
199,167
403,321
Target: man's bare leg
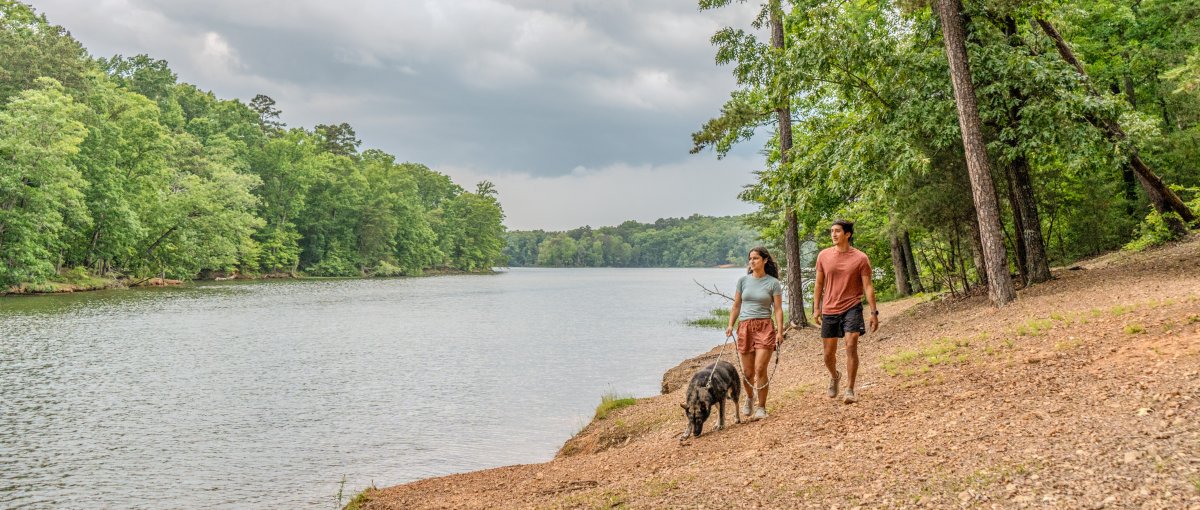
851,364
831,364
852,357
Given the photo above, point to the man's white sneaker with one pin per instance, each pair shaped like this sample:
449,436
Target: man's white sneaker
760,413
833,384
850,398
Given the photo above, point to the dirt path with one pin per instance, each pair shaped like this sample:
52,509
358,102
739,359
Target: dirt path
1085,393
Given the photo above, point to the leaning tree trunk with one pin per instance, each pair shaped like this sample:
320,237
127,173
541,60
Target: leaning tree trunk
1000,287
1161,196
977,251
910,261
899,266
791,238
1037,266
1018,226
1031,247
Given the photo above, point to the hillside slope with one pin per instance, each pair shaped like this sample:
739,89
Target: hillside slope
1085,393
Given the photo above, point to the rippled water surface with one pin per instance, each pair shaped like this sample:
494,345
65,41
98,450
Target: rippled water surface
268,394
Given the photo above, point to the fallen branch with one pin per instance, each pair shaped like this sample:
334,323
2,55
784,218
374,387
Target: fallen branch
713,291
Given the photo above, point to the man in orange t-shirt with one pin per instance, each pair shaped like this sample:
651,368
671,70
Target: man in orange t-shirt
843,277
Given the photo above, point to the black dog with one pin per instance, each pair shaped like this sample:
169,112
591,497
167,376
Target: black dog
711,386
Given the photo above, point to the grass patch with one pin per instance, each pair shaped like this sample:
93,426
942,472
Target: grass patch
607,499
718,318
1068,344
1120,309
923,381
1134,328
1196,483
708,322
360,499
357,501
951,483
1193,318
657,488
1034,327
611,402
942,351
795,392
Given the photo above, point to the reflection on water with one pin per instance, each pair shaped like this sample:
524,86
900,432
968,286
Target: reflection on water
265,394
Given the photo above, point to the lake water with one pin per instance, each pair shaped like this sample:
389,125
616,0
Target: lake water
269,394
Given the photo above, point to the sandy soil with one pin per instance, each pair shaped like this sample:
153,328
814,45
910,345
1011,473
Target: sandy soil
1085,393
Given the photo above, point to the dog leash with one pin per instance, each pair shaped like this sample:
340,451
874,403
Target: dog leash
741,374
708,385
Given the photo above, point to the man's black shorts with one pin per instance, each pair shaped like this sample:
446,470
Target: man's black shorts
849,321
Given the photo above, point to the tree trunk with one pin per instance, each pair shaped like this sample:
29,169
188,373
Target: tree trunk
1030,245
791,240
1000,288
899,266
150,249
914,277
1163,199
1018,225
977,252
1038,267
1131,185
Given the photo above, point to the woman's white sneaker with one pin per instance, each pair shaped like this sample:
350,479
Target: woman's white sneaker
746,408
760,413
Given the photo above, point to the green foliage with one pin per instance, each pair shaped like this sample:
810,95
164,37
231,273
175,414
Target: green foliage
1152,232
875,128
383,268
114,166
32,48
41,193
611,402
472,232
334,265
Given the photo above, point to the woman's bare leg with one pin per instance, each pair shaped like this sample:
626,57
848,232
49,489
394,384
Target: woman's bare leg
748,375
762,358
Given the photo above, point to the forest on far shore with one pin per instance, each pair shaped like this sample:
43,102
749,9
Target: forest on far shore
695,241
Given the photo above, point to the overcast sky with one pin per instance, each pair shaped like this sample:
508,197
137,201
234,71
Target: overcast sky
580,111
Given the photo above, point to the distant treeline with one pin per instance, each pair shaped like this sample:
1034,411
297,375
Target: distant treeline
696,241
113,166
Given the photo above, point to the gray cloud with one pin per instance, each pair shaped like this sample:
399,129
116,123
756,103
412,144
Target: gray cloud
501,87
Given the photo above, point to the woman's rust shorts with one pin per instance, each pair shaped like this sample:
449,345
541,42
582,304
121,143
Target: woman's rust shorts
754,334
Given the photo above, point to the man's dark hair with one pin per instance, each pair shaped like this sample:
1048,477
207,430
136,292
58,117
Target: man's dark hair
847,227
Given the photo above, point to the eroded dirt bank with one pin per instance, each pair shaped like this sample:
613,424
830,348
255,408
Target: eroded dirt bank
1085,393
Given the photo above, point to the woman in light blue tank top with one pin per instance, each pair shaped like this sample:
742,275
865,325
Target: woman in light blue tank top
758,312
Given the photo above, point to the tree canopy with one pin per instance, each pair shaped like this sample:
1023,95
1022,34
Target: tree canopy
1085,158
115,166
